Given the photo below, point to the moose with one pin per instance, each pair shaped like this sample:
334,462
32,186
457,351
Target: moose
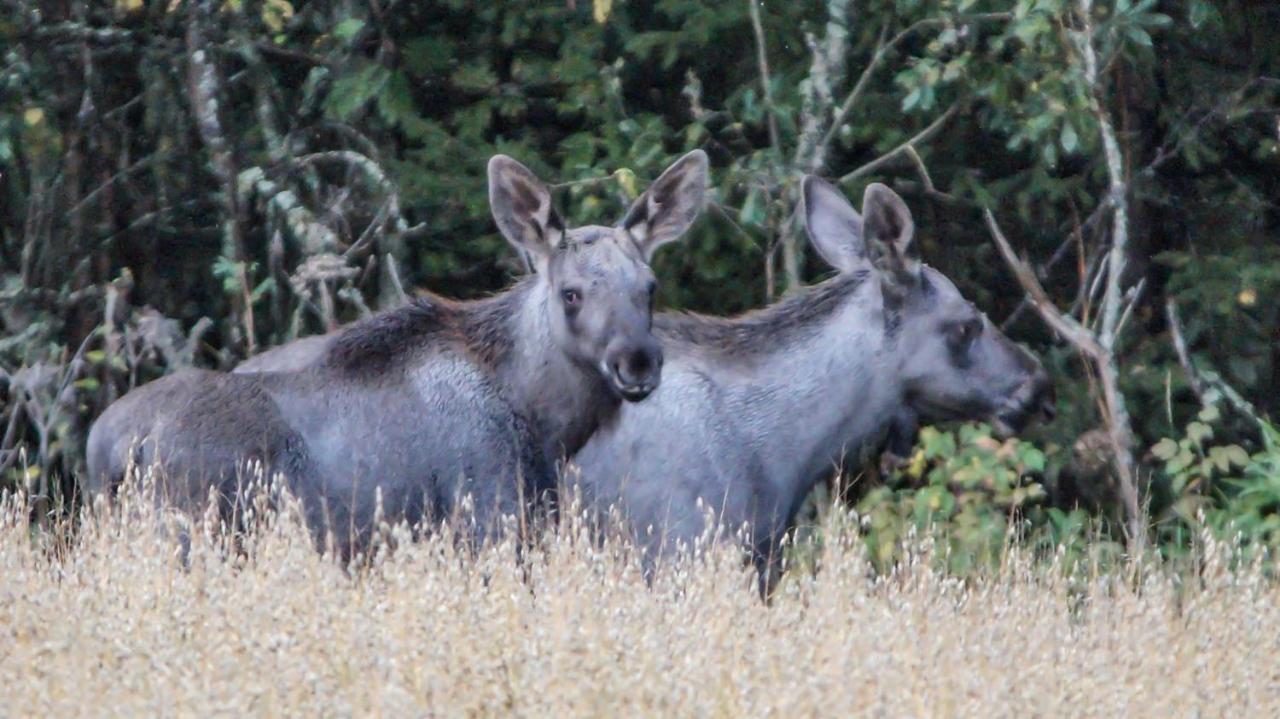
754,411
435,408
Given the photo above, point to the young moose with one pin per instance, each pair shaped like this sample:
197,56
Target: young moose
754,411
424,405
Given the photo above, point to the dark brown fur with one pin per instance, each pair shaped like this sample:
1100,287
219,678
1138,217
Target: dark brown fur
375,346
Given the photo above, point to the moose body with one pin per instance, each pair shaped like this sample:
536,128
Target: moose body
754,411
294,356
437,407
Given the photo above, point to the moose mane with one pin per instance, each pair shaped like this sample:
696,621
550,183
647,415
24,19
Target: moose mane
754,331
384,342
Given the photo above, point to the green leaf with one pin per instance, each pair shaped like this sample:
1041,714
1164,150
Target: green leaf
1070,141
351,92
1236,455
1033,459
1198,432
348,28
1139,36
911,100
753,211
1218,455
1180,461
1166,449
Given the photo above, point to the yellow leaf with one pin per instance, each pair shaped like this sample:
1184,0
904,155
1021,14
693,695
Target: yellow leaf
124,7
627,180
32,116
916,469
275,13
600,10
1248,297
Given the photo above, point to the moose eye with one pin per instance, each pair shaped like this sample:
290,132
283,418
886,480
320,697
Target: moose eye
964,333
571,297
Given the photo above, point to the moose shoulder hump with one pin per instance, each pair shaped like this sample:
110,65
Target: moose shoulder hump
374,346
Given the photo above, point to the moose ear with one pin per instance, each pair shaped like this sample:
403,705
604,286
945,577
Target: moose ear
834,227
888,230
666,210
521,206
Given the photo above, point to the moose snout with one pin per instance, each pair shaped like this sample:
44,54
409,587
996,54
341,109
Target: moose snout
1033,399
1036,397
635,369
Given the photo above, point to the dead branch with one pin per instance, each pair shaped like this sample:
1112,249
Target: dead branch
1103,360
922,136
204,86
313,235
766,78
826,71
1064,325
1208,385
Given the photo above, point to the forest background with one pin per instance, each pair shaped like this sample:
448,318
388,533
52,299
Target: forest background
188,183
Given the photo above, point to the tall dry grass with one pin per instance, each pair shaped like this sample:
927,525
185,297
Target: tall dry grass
113,623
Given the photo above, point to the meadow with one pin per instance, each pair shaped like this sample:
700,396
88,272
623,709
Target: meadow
110,621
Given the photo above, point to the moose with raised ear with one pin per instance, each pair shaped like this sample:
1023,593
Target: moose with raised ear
754,411
418,408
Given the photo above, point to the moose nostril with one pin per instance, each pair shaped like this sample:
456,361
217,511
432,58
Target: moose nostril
641,363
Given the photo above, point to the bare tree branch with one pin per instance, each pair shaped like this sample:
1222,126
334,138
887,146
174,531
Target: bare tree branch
1103,360
922,136
1205,382
766,78
1064,325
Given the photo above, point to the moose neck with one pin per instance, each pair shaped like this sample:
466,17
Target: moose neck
564,400
818,385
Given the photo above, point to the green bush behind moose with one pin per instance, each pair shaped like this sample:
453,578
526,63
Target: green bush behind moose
187,183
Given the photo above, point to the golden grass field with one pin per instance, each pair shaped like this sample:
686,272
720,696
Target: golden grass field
112,624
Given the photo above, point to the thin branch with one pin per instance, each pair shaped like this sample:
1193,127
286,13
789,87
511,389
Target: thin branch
855,95
1198,385
883,47
1134,295
390,263
723,211
1118,188
1058,254
586,181
762,59
922,169
1068,327
1203,383
922,136
122,174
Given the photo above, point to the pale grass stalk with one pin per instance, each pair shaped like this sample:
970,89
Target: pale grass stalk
117,624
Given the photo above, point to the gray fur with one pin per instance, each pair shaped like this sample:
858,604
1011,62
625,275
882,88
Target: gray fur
754,411
291,357
423,406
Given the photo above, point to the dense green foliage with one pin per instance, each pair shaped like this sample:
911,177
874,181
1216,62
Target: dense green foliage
188,183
